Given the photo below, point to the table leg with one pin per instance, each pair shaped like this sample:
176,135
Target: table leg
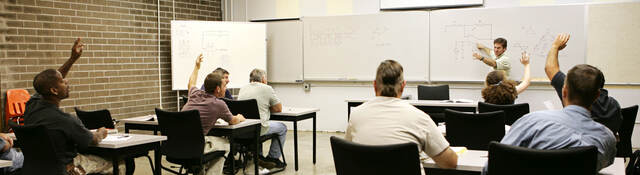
231,157
255,155
157,156
348,111
314,138
295,143
114,161
126,129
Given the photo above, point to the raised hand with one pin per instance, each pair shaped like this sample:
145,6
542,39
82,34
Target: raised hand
199,60
561,41
76,50
525,58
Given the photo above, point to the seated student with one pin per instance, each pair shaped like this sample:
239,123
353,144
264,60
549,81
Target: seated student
500,90
225,73
211,108
43,109
267,103
605,109
7,152
572,126
389,120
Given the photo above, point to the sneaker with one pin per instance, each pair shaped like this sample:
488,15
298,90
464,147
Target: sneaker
277,162
266,164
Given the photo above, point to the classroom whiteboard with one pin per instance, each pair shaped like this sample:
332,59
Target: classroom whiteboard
454,34
350,48
412,4
284,51
615,52
238,47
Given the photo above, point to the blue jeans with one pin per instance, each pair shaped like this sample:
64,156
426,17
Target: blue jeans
16,157
280,129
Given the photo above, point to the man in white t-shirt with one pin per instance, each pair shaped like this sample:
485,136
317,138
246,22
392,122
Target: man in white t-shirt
267,103
387,119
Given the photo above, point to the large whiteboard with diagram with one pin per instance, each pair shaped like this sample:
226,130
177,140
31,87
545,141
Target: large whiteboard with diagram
238,47
454,34
350,48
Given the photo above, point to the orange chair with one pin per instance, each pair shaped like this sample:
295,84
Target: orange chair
14,108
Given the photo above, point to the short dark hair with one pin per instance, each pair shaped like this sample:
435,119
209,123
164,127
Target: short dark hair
389,78
501,41
499,90
583,83
221,70
44,81
212,81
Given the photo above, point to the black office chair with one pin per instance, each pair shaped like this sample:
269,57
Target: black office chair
507,159
185,140
437,92
354,158
39,153
249,109
473,131
95,119
512,112
626,130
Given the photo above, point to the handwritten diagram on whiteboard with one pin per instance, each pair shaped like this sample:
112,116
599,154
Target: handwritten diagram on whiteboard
351,47
455,33
235,46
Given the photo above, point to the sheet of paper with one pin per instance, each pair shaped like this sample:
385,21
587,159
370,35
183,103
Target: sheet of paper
116,138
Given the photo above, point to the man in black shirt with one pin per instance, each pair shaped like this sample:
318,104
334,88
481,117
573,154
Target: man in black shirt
68,133
604,110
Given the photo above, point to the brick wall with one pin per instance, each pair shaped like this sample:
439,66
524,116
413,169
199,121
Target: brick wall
119,67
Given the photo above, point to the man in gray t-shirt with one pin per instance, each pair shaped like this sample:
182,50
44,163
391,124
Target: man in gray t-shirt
267,103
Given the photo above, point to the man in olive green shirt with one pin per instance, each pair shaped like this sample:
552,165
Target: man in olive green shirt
497,60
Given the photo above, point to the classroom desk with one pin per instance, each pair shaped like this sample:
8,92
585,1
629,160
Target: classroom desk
247,126
4,164
428,106
473,161
119,150
294,115
138,143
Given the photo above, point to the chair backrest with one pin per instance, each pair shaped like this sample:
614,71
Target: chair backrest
473,131
438,92
95,119
15,105
39,152
507,159
354,158
512,112
185,140
248,108
626,130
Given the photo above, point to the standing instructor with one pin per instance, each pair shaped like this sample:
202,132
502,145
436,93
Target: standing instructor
497,60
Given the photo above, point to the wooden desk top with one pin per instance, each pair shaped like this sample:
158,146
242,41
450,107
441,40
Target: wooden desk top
5,163
474,160
136,139
291,111
441,103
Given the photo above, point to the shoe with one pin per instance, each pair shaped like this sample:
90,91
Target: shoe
277,162
264,163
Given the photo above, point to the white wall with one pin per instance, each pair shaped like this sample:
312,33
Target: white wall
330,96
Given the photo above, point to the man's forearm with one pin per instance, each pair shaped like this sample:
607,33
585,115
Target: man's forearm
489,62
64,69
552,66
